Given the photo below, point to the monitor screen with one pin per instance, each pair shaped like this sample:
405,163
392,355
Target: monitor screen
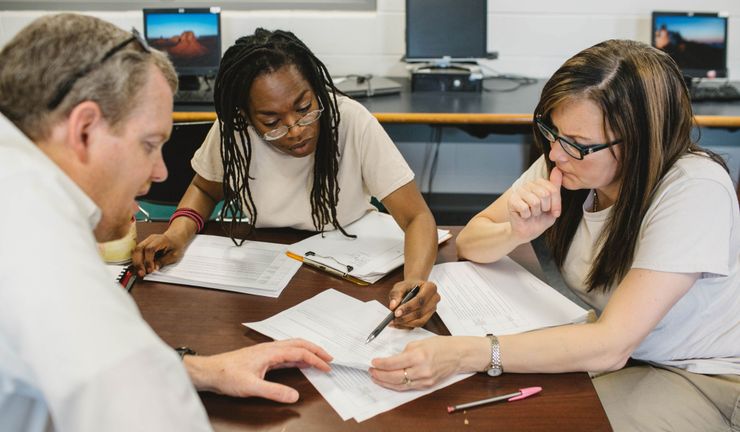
446,28
191,37
696,41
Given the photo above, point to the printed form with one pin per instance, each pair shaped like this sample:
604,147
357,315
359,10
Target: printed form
340,324
500,298
258,268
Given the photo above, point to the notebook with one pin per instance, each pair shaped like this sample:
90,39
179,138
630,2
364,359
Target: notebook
698,43
124,275
366,85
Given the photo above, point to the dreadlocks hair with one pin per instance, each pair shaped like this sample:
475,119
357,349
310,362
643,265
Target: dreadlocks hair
251,56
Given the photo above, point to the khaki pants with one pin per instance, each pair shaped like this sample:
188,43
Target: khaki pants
651,398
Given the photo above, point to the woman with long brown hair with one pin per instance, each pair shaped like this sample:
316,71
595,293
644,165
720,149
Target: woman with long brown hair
645,227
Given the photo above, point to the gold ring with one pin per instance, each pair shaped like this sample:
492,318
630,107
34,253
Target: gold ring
406,380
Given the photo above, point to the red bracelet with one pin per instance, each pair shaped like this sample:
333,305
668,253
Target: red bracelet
190,214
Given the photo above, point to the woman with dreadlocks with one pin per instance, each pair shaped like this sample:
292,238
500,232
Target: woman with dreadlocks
287,151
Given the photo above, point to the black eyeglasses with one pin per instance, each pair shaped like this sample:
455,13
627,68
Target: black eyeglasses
574,150
66,87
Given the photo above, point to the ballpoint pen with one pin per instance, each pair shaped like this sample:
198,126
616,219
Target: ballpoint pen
511,397
409,295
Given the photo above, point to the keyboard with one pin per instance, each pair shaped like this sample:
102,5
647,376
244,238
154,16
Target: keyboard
197,97
717,93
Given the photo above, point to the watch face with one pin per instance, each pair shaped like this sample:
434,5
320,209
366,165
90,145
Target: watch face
494,372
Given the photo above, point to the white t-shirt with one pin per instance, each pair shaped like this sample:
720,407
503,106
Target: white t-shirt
369,165
692,226
75,354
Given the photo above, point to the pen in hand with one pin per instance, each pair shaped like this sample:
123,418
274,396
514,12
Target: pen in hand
409,295
158,255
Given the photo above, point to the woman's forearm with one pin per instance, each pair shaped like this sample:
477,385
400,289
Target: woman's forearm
420,247
484,241
200,196
569,348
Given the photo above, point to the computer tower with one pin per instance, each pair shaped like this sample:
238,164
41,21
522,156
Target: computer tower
446,79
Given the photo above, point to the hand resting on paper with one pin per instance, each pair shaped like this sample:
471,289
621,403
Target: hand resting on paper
417,311
156,251
241,373
426,362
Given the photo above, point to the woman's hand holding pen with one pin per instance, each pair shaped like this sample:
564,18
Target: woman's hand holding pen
156,251
534,206
417,311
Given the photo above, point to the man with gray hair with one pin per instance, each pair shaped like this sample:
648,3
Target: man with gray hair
86,108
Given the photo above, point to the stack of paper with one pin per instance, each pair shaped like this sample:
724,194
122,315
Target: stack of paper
499,298
340,324
258,268
377,250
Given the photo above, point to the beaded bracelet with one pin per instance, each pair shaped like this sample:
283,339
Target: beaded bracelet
192,215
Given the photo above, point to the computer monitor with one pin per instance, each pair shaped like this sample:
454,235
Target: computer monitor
190,36
696,41
451,29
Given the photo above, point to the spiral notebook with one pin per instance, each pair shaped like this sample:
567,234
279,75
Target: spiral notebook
124,275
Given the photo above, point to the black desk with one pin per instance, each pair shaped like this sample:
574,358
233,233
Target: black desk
501,108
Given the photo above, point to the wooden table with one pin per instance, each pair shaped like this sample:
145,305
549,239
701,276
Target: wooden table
209,321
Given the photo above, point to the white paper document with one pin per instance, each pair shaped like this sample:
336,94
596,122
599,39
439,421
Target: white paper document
258,268
353,394
340,324
376,251
500,298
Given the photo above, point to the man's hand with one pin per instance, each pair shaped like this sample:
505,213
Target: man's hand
241,373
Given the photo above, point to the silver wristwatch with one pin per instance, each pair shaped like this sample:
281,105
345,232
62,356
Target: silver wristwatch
494,369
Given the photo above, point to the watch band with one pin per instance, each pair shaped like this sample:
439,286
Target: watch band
183,351
495,368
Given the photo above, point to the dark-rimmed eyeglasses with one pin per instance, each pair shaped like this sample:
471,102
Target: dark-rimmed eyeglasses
66,87
573,149
281,131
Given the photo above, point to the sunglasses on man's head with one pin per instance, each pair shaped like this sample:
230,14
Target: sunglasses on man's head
66,87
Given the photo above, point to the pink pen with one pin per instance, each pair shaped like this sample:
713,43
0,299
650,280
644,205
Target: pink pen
521,394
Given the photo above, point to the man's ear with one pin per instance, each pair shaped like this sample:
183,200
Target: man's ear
84,121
